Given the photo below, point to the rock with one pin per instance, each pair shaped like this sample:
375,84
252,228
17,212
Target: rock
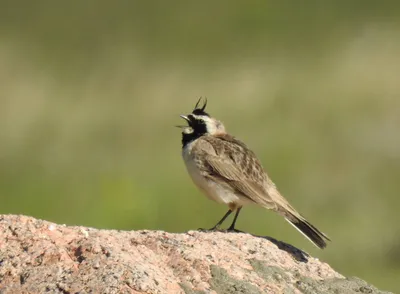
41,257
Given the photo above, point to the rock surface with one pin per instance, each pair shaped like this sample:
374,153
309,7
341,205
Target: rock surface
41,257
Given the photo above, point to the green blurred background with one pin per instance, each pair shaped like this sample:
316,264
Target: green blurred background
90,92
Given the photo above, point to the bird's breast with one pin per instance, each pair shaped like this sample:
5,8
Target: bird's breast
213,189
193,167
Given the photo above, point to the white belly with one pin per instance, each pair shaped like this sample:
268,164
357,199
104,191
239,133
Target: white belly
212,189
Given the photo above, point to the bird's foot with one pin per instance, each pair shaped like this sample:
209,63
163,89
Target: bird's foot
233,230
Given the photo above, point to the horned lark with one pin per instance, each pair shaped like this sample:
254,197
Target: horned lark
228,172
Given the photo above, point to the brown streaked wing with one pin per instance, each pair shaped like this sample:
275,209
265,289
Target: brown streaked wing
239,167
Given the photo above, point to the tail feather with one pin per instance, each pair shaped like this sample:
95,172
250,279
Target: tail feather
308,230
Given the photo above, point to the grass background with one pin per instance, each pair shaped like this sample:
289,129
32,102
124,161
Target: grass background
90,92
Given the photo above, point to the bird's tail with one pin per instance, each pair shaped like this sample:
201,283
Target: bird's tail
308,230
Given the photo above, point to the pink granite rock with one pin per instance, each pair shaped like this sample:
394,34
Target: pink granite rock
41,257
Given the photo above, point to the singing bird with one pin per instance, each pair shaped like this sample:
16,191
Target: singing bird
228,172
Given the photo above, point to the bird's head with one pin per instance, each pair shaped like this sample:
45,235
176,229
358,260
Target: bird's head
200,123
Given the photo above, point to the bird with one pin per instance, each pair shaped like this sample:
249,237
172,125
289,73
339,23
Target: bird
228,172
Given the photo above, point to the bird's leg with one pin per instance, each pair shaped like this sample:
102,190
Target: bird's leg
216,227
232,226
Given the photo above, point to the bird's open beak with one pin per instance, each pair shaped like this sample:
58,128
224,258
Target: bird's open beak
185,118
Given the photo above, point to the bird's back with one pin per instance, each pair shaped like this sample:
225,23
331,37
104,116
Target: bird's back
239,155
